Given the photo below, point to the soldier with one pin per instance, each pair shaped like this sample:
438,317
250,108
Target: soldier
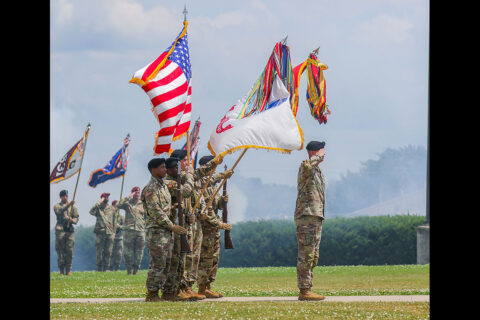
211,225
117,250
67,216
160,228
309,215
104,229
175,283
134,229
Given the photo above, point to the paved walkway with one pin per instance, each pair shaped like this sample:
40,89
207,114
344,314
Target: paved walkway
399,298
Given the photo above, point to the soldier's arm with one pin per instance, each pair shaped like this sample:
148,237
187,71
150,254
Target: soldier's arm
204,170
309,164
122,204
75,215
94,210
187,187
157,210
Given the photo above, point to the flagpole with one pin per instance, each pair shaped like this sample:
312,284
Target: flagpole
121,190
79,170
224,180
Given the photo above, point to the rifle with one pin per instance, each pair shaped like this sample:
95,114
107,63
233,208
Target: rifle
184,246
228,238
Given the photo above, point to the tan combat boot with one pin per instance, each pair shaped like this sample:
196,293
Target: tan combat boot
152,296
183,296
169,297
67,272
202,289
193,294
213,292
307,294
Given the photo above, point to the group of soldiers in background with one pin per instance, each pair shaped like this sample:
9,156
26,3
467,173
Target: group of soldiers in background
150,218
151,215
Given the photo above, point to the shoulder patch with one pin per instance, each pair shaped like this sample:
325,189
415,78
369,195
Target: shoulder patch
171,184
149,192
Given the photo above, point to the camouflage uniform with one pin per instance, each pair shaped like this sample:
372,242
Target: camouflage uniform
195,236
134,229
64,236
175,278
309,215
105,233
157,205
210,248
117,250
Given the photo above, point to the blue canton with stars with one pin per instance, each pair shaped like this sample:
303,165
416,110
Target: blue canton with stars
181,56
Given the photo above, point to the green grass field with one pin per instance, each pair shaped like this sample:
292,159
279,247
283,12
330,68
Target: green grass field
238,282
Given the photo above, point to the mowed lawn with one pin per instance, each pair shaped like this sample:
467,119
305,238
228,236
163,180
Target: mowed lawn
267,281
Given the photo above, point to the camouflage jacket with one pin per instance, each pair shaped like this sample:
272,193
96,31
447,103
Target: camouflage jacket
119,227
106,218
311,189
157,204
134,214
186,189
62,211
201,177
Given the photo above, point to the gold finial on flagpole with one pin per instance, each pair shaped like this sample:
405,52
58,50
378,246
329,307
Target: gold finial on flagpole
315,52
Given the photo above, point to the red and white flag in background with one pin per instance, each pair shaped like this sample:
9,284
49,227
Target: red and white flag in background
166,81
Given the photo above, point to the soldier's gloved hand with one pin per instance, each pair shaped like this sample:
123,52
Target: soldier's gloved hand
179,230
228,173
217,160
189,169
71,203
225,226
210,210
191,218
225,198
202,216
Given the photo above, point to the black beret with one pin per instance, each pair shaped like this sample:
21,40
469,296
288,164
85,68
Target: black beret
63,193
155,163
315,145
205,159
179,153
171,162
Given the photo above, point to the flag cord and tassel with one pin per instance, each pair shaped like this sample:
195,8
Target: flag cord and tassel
223,182
79,171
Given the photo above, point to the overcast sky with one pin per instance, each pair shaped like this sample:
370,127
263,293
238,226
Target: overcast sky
376,52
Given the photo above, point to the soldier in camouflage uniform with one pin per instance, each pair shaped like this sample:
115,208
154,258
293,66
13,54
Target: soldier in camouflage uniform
211,225
67,216
104,229
117,250
309,215
176,282
134,229
160,228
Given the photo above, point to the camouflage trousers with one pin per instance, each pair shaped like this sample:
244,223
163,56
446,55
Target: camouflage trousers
209,256
117,251
64,244
175,276
133,243
309,232
160,246
194,235
104,247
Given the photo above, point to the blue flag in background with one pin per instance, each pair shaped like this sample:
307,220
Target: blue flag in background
116,167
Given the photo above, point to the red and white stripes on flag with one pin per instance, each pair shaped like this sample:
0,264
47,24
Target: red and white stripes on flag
166,81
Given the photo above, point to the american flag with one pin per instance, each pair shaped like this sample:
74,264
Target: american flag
167,83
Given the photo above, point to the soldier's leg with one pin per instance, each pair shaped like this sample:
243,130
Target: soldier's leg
212,273
69,246
99,251
160,246
189,256
318,237
128,250
207,263
171,282
306,238
139,247
107,254
197,247
60,249
116,254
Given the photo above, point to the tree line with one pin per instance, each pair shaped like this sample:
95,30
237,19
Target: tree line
367,240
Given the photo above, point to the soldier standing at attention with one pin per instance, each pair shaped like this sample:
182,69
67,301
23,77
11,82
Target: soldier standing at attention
104,230
160,228
134,229
211,225
64,232
309,215
117,250
175,283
